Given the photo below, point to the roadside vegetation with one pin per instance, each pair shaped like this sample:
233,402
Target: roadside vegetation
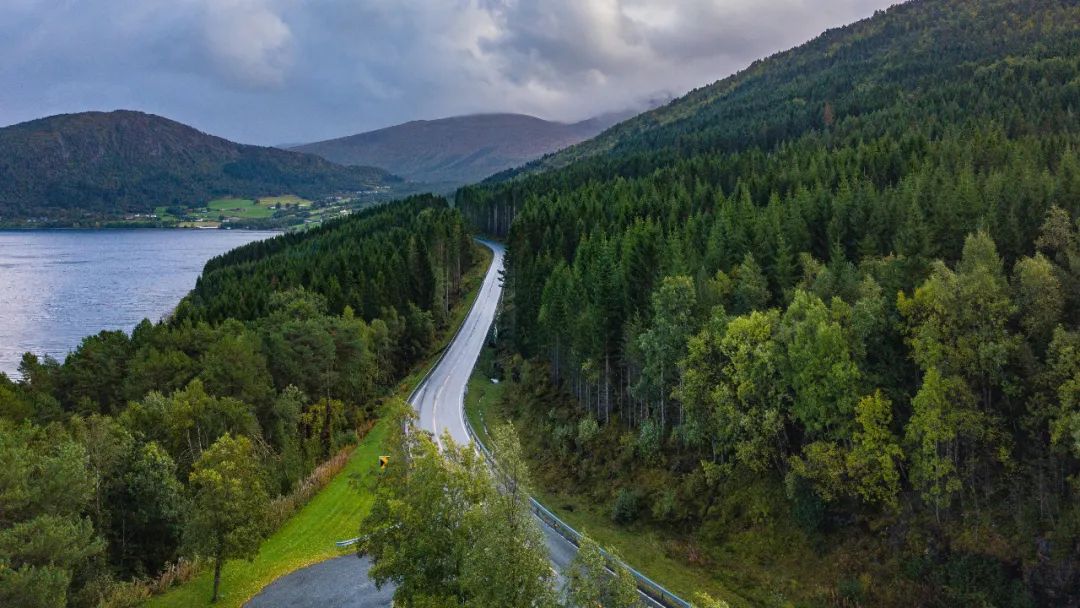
490,404
306,538
309,536
447,530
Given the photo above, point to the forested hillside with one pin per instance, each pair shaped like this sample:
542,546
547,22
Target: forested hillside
104,165
200,434
830,304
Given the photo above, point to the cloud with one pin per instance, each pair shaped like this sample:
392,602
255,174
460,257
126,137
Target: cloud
248,41
271,71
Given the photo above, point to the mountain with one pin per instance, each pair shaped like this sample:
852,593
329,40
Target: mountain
459,150
883,71
97,164
816,326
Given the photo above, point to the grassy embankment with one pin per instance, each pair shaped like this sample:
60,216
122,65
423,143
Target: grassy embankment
334,514
639,545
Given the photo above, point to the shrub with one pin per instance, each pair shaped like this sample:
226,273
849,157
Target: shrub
626,507
665,506
650,439
587,429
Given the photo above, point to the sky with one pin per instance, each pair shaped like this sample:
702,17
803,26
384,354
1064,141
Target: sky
291,71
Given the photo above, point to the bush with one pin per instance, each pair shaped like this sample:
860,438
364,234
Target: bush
807,508
587,429
665,507
649,441
852,590
125,595
562,436
626,507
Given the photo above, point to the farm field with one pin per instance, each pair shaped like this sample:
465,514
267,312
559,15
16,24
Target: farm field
285,200
238,207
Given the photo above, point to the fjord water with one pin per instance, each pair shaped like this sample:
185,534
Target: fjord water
58,286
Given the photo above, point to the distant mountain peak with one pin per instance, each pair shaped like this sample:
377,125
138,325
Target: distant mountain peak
459,149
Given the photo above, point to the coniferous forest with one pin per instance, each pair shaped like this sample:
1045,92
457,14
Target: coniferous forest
816,324
832,301
191,436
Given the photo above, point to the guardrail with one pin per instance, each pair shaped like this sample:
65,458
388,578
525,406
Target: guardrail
646,585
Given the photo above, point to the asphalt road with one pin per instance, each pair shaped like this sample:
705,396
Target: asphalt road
440,405
341,581
440,401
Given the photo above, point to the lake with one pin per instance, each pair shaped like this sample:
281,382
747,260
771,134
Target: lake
58,286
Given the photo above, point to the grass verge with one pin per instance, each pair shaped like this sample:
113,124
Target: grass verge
333,514
305,538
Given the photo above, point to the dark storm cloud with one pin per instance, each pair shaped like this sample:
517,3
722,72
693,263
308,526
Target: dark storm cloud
271,71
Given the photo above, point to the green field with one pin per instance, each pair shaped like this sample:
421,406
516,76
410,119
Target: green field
238,207
234,208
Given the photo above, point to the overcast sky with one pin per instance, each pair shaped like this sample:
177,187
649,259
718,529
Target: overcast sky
275,71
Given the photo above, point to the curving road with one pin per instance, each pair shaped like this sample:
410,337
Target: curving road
440,404
440,401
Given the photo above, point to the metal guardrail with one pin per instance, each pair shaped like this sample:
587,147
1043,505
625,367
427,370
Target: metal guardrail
646,585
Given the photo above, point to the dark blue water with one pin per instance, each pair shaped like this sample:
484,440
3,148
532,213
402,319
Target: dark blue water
57,286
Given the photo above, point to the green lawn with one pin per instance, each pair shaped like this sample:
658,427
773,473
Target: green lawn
483,395
237,207
163,215
230,203
306,538
334,514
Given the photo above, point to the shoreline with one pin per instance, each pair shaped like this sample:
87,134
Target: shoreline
87,228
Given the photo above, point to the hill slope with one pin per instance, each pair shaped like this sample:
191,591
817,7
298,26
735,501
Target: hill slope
818,324
108,164
920,64
458,150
